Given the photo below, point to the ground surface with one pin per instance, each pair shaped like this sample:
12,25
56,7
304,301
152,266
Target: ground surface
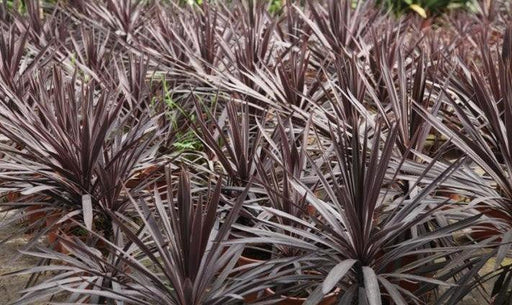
10,286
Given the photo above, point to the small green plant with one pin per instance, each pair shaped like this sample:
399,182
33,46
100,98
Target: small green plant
185,140
276,6
16,5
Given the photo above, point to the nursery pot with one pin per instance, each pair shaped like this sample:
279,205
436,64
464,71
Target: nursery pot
487,230
253,256
140,176
63,231
33,215
244,260
13,196
310,209
55,234
400,262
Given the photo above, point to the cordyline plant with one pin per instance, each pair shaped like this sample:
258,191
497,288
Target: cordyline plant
286,153
399,81
15,68
368,242
340,28
480,101
72,147
318,118
230,138
43,28
123,18
287,162
174,254
248,49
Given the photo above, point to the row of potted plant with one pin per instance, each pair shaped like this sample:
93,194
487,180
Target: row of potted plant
333,155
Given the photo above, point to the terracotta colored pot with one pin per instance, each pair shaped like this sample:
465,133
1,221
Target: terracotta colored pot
488,229
55,239
62,232
485,231
13,196
255,255
310,209
244,260
33,215
141,175
36,215
252,297
400,262
55,234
